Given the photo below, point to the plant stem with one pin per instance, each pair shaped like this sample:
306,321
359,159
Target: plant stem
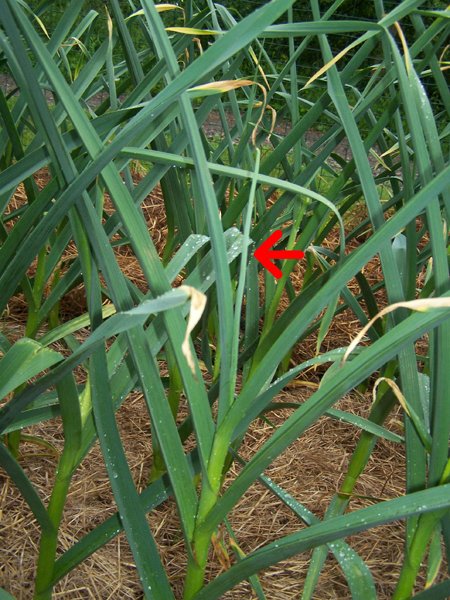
415,553
49,538
202,535
196,567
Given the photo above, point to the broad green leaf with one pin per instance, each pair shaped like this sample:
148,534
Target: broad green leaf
439,591
356,572
327,531
32,357
153,577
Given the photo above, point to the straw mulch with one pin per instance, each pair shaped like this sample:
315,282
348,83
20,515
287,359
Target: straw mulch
311,469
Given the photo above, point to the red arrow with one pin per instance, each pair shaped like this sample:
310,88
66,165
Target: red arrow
265,255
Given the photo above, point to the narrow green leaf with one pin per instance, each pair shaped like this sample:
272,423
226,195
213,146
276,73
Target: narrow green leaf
26,488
